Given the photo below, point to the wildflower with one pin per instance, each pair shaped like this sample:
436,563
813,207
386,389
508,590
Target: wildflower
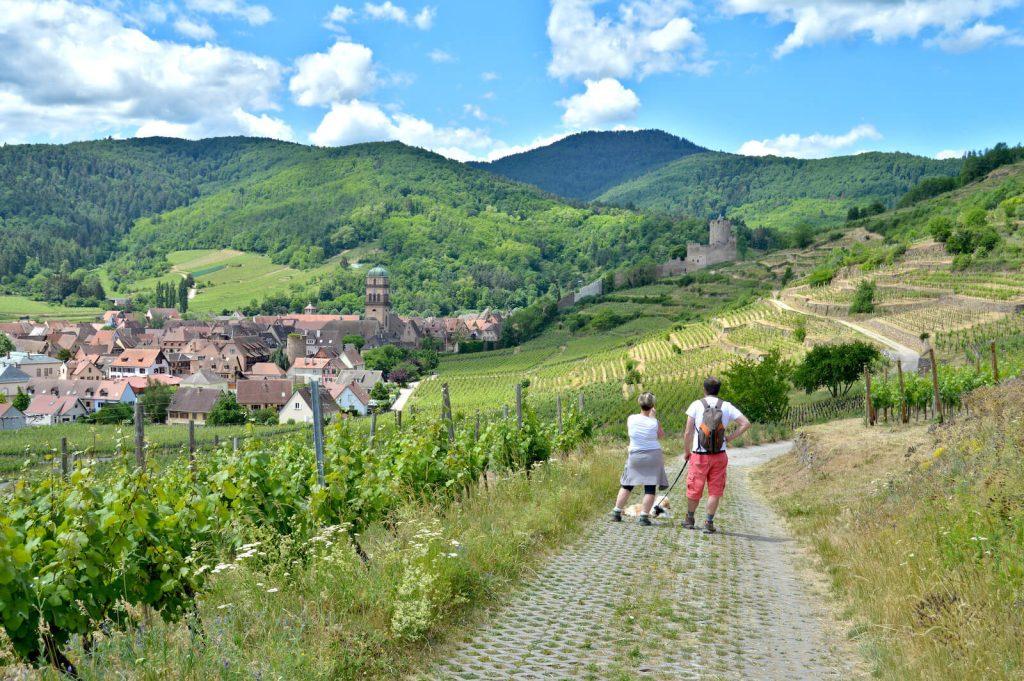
224,606
273,590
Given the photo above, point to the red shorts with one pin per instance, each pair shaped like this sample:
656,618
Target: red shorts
709,468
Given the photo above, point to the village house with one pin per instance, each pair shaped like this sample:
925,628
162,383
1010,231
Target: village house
48,410
162,314
35,365
192,404
352,398
178,364
94,395
265,370
319,368
299,409
270,393
139,362
140,383
12,381
205,378
86,368
11,418
366,378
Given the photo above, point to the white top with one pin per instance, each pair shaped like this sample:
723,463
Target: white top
643,432
696,411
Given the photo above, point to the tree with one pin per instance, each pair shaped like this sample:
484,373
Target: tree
632,373
227,412
354,339
267,416
940,227
383,358
280,358
852,214
112,414
787,276
863,298
21,401
382,396
800,331
975,218
6,346
155,400
802,235
63,354
759,387
836,367
183,296
960,241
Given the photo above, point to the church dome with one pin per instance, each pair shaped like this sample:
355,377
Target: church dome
378,271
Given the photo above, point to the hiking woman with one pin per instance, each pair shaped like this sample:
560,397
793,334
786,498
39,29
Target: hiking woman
645,464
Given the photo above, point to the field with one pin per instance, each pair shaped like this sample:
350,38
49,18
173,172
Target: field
14,307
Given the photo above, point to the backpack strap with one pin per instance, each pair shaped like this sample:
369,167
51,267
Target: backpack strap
704,402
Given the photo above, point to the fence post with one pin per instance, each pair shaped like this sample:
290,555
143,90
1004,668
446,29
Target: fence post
519,405
373,426
446,411
904,409
65,462
234,444
867,398
579,403
476,428
192,445
216,440
140,437
504,411
398,419
995,362
558,411
936,404
318,430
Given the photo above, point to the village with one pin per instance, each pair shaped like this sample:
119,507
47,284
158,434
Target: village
63,372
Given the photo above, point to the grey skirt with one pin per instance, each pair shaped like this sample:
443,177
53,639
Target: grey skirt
645,467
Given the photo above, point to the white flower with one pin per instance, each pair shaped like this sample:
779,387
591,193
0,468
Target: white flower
273,590
224,606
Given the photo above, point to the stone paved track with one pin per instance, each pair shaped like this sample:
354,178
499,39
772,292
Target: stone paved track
662,602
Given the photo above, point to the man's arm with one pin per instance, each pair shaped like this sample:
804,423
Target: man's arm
688,438
744,426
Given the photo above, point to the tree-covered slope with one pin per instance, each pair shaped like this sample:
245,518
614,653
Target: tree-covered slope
67,206
453,236
584,165
770,191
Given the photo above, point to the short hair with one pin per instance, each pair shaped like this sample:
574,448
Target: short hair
712,385
646,401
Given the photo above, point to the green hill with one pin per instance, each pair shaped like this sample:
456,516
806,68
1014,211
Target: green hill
584,165
770,191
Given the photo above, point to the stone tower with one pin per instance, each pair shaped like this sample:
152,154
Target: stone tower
378,296
721,232
295,347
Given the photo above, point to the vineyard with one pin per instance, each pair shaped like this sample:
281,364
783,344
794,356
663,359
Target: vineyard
78,557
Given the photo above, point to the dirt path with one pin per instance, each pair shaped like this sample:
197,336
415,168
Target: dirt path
662,602
908,357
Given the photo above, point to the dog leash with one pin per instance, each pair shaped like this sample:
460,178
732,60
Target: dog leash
673,485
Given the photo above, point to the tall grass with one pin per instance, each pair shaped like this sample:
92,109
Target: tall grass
926,541
317,611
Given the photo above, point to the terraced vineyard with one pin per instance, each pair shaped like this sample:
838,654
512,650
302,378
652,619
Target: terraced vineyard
940,319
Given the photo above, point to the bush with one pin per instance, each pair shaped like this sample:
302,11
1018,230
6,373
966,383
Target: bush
835,367
759,387
227,412
863,298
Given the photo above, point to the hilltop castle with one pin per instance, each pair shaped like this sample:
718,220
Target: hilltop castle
721,248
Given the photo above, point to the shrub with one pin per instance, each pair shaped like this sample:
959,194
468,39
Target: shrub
863,298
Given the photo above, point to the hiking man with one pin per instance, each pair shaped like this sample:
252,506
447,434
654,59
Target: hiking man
707,419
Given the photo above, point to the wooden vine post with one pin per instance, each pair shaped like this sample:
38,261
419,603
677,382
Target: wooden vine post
446,411
579,403
65,460
140,437
398,419
904,408
519,406
995,362
868,417
476,428
192,446
318,430
936,403
373,427
558,411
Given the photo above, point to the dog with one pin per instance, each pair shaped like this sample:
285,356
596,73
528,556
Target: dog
633,510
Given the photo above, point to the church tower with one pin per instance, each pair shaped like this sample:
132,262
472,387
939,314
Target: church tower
378,296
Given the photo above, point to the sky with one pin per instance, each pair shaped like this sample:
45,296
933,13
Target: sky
480,79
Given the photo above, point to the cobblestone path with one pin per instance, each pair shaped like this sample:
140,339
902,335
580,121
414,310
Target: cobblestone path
632,602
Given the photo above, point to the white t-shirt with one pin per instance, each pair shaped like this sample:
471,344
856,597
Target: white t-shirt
643,432
696,411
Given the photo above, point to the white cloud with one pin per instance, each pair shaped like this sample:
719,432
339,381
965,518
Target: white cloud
487,95
338,17
69,71
475,111
440,56
972,38
950,153
816,145
818,21
254,15
263,126
343,72
425,19
604,102
650,36
489,76
502,150
357,121
197,30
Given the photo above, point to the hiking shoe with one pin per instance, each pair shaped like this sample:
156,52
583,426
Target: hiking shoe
616,516
688,523
645,520
709,527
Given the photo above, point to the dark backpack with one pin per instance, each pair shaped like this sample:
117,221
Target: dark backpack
710,431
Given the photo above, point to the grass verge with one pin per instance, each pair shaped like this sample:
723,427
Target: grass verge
318,612
922,535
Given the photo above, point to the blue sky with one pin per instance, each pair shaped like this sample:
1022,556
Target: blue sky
479,79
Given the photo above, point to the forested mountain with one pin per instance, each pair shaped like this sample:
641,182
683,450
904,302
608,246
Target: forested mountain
454,237
769,191
583,165
67,206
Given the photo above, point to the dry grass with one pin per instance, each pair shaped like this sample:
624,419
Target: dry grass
922,534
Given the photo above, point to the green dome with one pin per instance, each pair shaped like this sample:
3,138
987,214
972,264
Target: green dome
377,271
